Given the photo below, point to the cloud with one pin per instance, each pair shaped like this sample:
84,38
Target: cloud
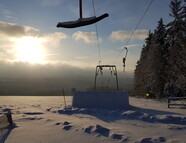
5,13
11,29
53,40
50,76
15,30
56,35
50,2
87,37
7,52
11,32
25,78
82,58
125,35
50,70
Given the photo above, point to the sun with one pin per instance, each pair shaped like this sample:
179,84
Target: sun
29,49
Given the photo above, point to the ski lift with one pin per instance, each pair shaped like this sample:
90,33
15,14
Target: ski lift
81,21
124,59
99,68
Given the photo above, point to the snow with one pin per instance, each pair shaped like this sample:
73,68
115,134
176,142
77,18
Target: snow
45,120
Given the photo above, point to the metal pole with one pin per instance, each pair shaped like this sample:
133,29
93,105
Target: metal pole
117,79
95,79
64,96
80,8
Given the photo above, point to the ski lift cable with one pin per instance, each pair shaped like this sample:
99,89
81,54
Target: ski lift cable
98,42
97,35
127,42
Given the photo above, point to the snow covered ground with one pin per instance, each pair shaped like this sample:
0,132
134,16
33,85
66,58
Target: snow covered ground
44,120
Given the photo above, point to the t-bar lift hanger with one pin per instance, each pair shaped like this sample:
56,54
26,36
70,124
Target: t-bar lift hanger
81,21
124,59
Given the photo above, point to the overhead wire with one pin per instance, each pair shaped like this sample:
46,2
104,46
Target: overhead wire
97,35
98,43
127,42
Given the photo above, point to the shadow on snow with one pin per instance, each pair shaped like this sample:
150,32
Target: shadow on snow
131,113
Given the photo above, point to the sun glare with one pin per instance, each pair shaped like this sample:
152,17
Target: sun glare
29,49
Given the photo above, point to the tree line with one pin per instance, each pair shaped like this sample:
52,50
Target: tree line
161,69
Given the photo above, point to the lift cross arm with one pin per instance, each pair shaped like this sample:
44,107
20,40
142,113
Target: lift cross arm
81,21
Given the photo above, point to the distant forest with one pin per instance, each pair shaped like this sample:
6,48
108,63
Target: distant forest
53,86
161,69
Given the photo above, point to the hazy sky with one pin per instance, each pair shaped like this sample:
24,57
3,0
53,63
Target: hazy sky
28,32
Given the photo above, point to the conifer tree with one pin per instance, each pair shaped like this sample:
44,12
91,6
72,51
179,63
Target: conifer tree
163,57
159,56
176,40
141,74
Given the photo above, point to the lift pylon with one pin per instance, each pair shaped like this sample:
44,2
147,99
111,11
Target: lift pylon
99,69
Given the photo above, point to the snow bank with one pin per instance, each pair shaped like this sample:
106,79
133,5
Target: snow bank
94,99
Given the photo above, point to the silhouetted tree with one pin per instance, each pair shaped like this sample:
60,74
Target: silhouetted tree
141,74
159,59
177,50
163,57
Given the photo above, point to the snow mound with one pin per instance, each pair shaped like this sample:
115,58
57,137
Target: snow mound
116,136
88,129
152,140
67,127
177,128
28,119
170,119
166,119
132,114
126,114
102,131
